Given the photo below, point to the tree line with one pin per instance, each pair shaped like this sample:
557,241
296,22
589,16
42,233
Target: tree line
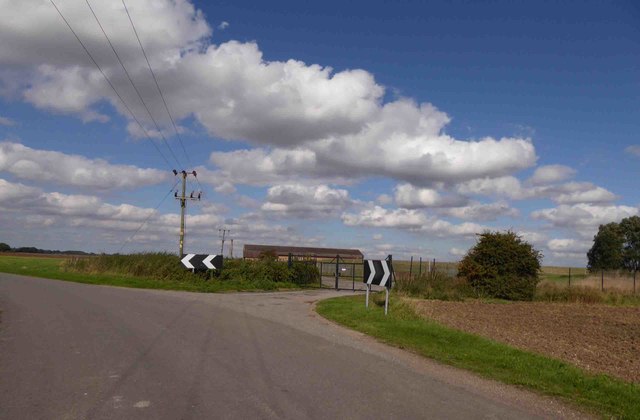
33,250
616,246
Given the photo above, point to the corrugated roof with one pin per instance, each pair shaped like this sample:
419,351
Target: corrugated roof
254,251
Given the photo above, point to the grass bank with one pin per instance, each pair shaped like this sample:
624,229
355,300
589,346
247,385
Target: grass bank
403,328
146,271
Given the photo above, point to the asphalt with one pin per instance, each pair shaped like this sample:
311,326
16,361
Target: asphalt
74,351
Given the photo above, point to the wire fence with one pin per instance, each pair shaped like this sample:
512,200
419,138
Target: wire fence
603,280
416,267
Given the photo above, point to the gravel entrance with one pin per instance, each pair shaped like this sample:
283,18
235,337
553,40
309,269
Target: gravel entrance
598,338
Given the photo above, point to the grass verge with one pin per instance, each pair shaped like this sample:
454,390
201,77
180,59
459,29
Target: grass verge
53,268
403,328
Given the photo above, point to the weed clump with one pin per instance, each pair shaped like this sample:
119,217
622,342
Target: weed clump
433,285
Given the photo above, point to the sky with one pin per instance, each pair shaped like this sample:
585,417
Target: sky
402,128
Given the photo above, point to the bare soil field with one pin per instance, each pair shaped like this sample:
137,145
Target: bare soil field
597,338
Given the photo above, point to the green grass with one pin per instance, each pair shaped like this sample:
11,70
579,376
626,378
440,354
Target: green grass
53,268
601,394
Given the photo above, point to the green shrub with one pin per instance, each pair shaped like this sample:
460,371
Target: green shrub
270,270
502,265
305,273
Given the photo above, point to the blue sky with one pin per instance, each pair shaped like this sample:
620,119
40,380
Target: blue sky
401,128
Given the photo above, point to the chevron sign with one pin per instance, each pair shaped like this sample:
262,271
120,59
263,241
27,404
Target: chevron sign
378,272
202,262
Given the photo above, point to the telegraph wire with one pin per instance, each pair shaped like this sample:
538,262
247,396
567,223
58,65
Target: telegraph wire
110,84
133,84
157,84
155,79
148,217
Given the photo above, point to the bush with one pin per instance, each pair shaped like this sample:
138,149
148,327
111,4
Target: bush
502,265
305,273
267,270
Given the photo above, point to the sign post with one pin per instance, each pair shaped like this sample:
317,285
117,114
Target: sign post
380,273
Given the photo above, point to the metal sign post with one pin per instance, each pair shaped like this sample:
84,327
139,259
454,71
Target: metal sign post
386,300
380,273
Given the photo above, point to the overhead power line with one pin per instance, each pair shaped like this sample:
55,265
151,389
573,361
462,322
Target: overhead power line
146,107
155,79
156,82
148,217
111,84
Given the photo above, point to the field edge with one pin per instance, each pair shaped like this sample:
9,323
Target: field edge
594,393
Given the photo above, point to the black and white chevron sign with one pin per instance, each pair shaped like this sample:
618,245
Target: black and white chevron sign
202,262
378,272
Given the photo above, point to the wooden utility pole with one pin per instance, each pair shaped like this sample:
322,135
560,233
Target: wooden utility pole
224,232
231,250
183,204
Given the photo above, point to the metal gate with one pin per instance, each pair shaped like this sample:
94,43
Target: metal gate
341,274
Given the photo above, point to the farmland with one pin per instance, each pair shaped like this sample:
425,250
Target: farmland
597,338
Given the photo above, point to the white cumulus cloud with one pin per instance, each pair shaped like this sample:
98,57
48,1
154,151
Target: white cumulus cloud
73,170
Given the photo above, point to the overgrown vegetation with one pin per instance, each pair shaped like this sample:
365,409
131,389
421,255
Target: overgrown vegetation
433,285
267,272
164,271
502,265
579,294
607,396
160,266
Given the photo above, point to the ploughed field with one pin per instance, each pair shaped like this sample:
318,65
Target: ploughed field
598,338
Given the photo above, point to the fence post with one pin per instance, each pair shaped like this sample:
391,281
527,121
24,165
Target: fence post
420,270
321,274
337,269
411,266
602,280
569,276
289,261
353,276
433,267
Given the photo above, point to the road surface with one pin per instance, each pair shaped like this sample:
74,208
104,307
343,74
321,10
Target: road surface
74,351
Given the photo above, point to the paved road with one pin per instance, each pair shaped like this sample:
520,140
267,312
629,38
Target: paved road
72,351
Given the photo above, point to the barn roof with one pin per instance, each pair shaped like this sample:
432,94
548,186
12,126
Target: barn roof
254,251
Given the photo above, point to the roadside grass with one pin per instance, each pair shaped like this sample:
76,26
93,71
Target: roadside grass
600,394
59,269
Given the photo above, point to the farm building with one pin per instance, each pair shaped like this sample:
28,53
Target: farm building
282,252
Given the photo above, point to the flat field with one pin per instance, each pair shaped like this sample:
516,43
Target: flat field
597,338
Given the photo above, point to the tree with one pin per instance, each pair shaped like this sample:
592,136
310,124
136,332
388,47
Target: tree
4,247
630,228
606,253
502,265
